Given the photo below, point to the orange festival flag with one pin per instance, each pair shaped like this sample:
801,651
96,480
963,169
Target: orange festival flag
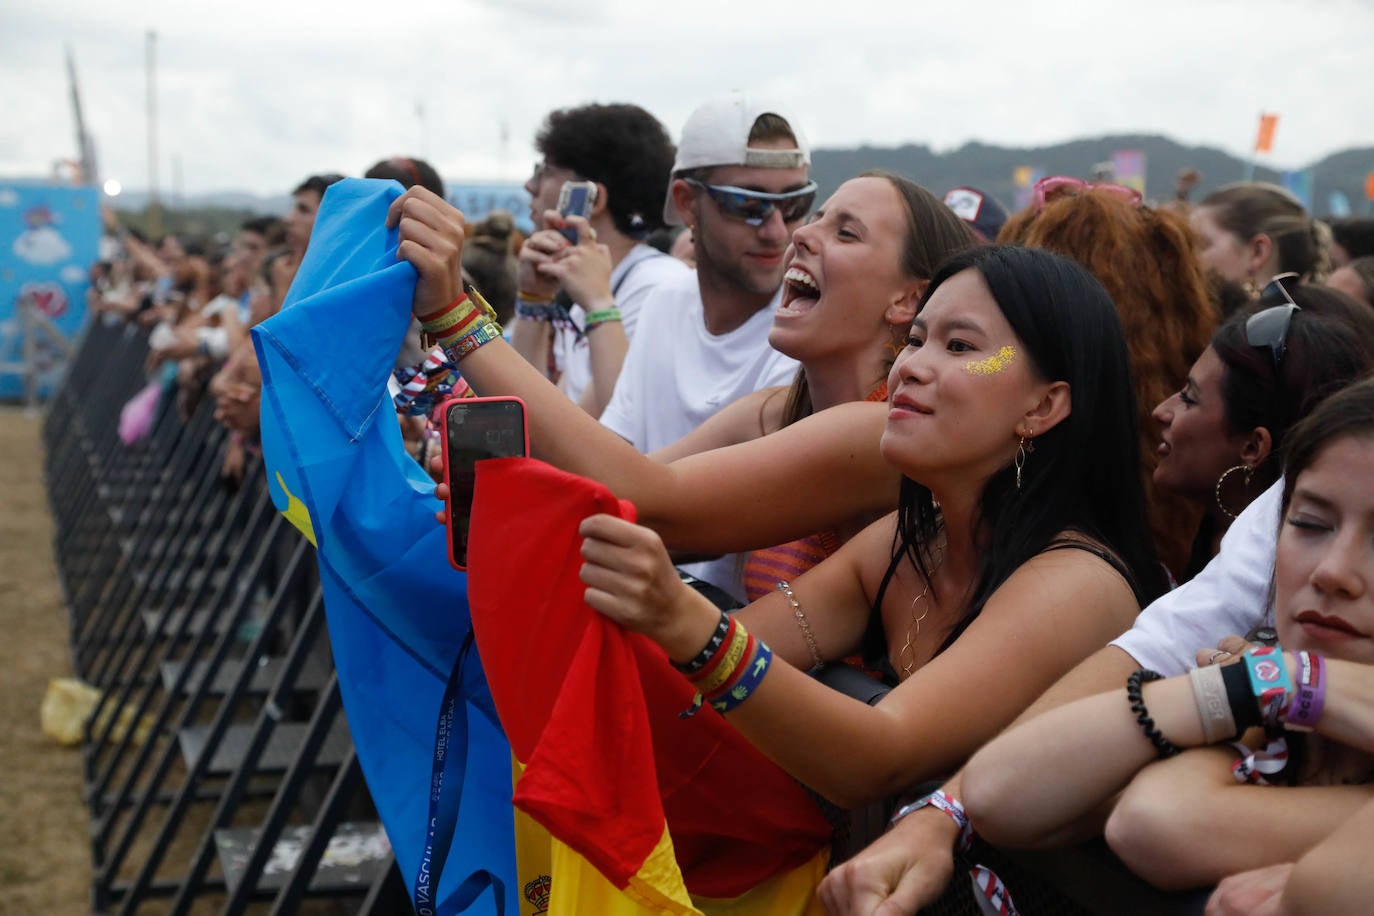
1264,140
677,816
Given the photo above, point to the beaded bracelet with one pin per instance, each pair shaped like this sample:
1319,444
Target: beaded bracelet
1309,699
1163,746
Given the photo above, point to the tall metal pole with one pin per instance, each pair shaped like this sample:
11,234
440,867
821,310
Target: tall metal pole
85,145
154,205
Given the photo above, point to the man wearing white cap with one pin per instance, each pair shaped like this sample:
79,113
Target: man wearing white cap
740,185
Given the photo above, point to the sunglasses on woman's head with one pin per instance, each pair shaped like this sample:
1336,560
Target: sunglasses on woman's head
1268,328
1047,189
754,207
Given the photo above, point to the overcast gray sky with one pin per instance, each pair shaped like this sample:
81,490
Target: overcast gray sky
254,95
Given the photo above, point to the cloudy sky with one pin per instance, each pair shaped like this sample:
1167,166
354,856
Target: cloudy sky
254,95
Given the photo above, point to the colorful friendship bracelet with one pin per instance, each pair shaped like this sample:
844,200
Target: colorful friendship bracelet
1163,746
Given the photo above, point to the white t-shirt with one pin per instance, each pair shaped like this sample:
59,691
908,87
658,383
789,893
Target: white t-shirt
638,272
677,374
1230,595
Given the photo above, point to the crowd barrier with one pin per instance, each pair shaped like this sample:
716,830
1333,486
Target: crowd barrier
218,767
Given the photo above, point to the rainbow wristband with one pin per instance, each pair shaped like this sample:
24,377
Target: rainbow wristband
1269,682
749,680
1309,699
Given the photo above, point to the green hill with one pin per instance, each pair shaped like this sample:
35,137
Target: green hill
990,168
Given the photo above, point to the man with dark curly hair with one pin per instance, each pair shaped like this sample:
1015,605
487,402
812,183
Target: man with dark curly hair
573,294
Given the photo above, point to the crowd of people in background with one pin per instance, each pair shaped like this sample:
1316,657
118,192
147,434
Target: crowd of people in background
963,474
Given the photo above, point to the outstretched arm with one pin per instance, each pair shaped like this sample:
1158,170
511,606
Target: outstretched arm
1045,617
734,499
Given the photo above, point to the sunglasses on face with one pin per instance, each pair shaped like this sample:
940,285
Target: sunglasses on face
754,207
1268,328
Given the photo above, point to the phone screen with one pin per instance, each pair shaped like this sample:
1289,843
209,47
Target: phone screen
478,428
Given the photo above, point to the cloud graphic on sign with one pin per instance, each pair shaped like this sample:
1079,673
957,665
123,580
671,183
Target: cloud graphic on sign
8,198
72,274
43,246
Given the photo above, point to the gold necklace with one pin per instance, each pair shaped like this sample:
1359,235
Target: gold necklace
913,631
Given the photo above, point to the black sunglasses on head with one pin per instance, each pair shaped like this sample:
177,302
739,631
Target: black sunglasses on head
1268,328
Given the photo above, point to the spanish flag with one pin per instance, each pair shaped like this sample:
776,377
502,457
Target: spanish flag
672,815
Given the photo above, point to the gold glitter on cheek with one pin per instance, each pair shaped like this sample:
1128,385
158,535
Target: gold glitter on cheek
993,364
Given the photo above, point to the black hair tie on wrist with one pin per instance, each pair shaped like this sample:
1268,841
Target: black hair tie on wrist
1163,746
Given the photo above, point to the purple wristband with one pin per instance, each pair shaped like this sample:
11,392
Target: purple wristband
1305,711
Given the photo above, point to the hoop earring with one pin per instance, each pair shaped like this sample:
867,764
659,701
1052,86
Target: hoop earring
1246,471
1024,447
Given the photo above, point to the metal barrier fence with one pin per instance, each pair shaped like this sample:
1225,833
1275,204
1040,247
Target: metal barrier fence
217,764
218,767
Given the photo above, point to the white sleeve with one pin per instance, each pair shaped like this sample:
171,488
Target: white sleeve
1231,595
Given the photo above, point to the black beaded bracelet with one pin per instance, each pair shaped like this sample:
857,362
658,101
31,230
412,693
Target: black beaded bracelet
709,650
1163,746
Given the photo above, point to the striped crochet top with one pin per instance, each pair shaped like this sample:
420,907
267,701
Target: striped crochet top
765,568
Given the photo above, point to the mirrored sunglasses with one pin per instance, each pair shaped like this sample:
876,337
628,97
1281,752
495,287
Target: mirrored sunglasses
754,207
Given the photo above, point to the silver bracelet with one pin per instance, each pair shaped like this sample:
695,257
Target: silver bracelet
816,659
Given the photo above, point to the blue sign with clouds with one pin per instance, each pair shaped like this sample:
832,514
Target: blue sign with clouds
49,237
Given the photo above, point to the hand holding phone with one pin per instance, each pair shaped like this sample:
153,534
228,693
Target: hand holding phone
576,198
475,429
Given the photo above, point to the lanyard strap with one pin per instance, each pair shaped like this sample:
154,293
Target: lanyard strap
445,798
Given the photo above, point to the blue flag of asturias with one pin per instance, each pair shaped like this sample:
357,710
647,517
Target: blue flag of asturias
398,613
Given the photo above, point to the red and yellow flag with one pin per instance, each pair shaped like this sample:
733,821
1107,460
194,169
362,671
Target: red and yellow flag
646,810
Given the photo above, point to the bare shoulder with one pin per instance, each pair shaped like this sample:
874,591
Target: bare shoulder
1073,584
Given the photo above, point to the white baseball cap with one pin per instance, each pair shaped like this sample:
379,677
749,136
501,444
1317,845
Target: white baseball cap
717,133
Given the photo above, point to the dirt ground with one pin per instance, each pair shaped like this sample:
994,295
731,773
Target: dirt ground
45,862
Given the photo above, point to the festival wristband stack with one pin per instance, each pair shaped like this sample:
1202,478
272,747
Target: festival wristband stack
1259,690
463,325
729,669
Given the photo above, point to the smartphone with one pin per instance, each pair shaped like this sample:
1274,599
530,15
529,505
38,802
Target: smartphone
576,198
475,429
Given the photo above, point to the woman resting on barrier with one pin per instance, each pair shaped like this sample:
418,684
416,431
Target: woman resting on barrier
1305,710
1223,430
859,268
